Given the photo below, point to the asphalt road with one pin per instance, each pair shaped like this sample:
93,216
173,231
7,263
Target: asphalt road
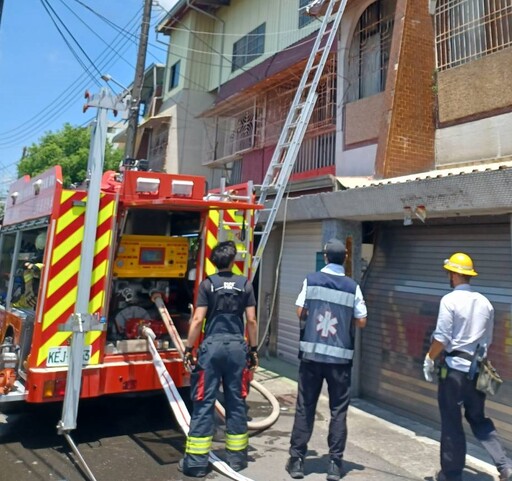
120,439
137,440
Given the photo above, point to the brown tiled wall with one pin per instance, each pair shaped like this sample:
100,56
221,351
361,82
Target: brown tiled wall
362,120
480,86
407,132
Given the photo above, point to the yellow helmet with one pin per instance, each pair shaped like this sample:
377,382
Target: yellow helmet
461,264
40,241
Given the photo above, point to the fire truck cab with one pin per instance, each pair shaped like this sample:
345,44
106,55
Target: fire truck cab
154,233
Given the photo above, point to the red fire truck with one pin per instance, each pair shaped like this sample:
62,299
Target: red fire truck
154,233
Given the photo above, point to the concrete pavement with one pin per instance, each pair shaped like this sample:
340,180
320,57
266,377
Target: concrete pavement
381,445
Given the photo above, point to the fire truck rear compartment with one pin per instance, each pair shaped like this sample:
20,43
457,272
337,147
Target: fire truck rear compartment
155,253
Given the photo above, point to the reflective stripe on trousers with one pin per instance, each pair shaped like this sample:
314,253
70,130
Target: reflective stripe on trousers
237,442
198,445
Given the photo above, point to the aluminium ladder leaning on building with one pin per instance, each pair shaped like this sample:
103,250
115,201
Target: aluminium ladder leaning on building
284,157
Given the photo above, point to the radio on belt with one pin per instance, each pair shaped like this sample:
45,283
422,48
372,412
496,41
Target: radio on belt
151,256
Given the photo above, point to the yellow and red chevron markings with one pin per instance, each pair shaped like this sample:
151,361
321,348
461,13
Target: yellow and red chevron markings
61,292
213,237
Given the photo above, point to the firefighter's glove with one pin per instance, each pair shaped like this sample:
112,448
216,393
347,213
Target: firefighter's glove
188,359
428,368
253,360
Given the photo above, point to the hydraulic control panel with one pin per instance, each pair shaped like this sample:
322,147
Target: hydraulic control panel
151,256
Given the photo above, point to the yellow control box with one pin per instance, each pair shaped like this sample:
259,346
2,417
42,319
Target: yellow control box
151,256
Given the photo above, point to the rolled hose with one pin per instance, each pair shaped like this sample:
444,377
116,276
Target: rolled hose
263,423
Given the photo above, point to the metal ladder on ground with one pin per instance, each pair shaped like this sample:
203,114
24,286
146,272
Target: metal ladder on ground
284,157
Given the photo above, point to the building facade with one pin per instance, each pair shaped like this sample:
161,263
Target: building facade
407,158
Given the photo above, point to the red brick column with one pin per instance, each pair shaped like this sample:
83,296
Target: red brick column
407,132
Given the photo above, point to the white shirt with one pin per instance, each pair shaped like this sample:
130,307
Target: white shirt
466,319
360,311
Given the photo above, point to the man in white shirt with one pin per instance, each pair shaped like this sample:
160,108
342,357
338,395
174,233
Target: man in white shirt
465,321
330,307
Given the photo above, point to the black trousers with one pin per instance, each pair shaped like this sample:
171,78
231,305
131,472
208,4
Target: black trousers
455,391
311,378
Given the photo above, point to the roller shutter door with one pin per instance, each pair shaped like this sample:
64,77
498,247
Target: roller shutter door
403,288
302,242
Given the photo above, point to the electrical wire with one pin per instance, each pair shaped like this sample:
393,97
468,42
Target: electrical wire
58,106
277,273
219,34
112,24
96,34
47,6
126,33
269,53
72,89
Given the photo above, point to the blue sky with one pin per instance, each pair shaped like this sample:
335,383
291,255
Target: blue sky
41,82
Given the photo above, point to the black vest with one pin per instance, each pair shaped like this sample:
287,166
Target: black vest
226,314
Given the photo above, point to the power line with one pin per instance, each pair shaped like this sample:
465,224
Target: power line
57,106
47,6
239,35
81,78
95,33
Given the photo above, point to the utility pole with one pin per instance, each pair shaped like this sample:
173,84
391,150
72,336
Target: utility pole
1,10
133,117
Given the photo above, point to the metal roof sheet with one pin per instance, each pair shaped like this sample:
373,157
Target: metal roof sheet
362,182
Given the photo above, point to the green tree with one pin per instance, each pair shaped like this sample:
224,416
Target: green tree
68,148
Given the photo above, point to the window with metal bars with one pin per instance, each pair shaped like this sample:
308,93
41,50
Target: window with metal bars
369,51
158,147
469,29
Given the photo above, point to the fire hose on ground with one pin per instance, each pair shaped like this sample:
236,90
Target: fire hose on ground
261,425
178,406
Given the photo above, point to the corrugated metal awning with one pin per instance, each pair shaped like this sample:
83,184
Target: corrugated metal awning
476,190
361,182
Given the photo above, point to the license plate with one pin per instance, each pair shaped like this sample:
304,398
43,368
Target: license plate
59,356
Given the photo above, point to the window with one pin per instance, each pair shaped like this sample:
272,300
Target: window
234,173
158,146
237,133
248,48
469,29
304,18
174,75
24,260
369,50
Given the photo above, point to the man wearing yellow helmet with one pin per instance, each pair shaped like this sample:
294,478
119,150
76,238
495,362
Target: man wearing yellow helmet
465,321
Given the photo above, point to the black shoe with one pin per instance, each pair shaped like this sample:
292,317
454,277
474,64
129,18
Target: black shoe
238,466
192,472
334,470
295,466
506,474
440,476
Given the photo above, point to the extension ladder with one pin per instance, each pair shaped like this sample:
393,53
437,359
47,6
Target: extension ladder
284,157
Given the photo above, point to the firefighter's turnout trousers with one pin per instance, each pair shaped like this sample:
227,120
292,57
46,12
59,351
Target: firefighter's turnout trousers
222,357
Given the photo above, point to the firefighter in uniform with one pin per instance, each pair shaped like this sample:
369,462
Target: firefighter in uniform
26,293
223,356
329,308
465,320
